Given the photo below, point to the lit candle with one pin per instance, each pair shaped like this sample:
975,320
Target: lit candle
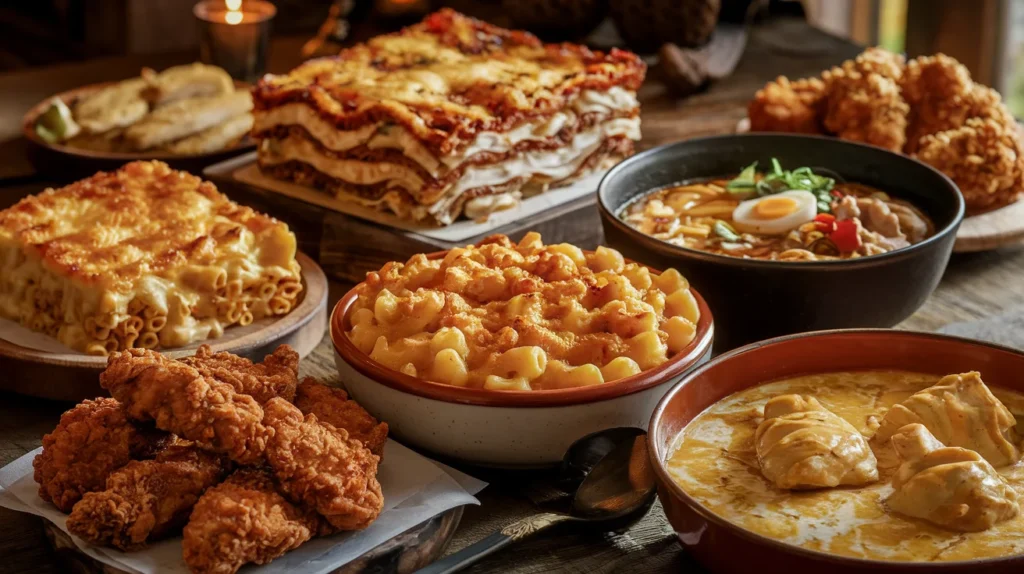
234,35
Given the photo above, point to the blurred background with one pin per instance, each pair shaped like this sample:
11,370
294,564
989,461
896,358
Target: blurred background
986,35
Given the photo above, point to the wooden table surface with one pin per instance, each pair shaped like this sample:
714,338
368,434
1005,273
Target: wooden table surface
975,286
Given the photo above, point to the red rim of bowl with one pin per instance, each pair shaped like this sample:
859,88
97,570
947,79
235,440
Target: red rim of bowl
362,362
658,454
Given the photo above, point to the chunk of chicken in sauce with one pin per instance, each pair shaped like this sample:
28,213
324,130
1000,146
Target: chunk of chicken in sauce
884,225
952,487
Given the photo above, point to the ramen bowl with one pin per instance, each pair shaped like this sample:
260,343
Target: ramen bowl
754,299
726,547
504,428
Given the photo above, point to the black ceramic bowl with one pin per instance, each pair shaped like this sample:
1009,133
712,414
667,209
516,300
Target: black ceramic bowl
756,299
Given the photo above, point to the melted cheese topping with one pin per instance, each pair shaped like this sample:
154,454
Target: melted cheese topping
449,78
80,261
714,460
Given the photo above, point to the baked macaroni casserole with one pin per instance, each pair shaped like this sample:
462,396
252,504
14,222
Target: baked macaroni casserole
449,117
145,256
506,316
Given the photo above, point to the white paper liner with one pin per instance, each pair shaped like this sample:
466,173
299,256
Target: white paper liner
415,489
249,173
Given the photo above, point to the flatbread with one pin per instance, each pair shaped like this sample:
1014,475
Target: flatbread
213,139
194,80
186,117
116,106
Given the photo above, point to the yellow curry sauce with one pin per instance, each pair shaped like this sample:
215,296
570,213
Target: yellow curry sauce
714,460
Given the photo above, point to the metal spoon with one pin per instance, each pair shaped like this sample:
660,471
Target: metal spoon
619,487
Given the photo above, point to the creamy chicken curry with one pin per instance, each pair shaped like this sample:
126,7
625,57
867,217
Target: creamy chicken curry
880,465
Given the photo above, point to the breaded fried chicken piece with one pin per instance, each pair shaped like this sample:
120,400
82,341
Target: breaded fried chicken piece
91,441
784,106
320,467
865,107
332,405
943,97
983,158
276,376
181,400
244,519
146,500
879,61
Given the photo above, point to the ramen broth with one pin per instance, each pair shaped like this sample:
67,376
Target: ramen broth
848,220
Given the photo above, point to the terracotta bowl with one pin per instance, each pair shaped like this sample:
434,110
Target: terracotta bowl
725,548
757,299
514,429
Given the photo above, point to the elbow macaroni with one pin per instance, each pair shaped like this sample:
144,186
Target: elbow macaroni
526,316
142,257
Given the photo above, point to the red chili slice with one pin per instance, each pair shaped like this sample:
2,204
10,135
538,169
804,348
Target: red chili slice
845,236
825,222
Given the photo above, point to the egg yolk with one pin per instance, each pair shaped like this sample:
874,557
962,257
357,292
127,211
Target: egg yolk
775,207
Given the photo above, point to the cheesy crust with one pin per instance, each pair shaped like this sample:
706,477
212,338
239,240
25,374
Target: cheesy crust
145,256
444,111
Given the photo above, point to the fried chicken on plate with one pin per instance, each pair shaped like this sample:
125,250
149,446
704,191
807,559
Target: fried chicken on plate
183,401
276,376
146,500
92,440
332,405
984,159
785,106
321,467
865,107
244,520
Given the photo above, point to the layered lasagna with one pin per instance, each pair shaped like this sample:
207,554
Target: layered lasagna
142,257
450,117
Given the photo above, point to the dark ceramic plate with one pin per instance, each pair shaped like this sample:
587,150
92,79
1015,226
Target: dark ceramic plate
725,548
51,157
756,299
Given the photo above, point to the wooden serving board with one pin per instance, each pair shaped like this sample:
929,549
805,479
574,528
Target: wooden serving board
982,232
75,376
350,246
403,554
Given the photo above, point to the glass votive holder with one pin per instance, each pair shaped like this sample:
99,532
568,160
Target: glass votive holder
234,35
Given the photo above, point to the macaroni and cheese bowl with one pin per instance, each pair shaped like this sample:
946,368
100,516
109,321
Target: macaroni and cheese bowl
503,354
759,285
707,443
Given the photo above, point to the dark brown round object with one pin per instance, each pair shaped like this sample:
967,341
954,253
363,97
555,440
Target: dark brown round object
647,24
556,20
682,71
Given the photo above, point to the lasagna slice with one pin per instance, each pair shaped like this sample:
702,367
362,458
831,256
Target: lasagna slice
142,257
449,117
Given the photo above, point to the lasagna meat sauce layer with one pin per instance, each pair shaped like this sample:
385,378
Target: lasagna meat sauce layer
145,256
448,110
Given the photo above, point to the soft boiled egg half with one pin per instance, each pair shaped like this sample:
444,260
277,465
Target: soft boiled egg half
775,214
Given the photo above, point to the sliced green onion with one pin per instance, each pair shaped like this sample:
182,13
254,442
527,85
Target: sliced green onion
725,231
745,181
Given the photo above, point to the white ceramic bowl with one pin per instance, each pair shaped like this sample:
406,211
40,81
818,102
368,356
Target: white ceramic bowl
515,429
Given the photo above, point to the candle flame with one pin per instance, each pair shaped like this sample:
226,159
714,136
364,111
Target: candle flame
234,16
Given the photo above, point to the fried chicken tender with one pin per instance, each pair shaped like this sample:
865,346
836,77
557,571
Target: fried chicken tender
785,106
244,519
276,376
181,400
865,107
320,467
879,61
92,440
983,158
332,405
146,500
